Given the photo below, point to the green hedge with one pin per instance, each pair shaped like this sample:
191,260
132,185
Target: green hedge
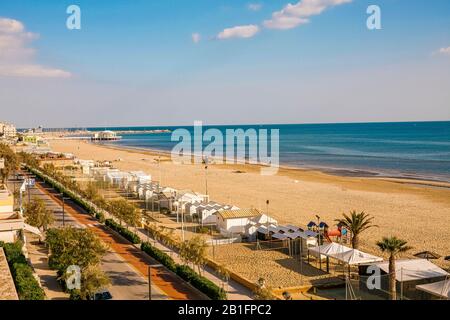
201,283
159,255
68,193
129,235
26,285
204,285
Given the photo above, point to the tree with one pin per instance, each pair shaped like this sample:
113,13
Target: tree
37,215
91,192
74,246
28,159
125,212
356,223
224,274
263,292
393,246
92,280
194,251
11,161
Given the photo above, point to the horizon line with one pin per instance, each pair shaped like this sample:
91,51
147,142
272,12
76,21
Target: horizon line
239,124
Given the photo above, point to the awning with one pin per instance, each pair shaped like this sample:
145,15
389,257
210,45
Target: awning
280,236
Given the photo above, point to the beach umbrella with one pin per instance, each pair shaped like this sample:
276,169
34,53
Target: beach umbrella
427,255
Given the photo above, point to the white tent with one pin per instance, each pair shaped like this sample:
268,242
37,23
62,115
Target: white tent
355,257
328,249
413,269
439,289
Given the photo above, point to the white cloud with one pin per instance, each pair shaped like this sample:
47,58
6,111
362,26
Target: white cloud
16,57
247,31
293,15
254,6
32,70
443,51
196,37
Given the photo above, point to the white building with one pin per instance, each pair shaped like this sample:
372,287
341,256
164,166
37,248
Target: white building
11,223
85,165
184,198
235,221
7,130
106,135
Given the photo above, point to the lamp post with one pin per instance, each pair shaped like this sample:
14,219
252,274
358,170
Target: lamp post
267,222
205,161
63,210
150,279
318,230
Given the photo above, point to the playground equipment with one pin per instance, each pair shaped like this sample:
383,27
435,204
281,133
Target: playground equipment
341,233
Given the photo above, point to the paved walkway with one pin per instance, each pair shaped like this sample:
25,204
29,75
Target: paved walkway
38,255
164,282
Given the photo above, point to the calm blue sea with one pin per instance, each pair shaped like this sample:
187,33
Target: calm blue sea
407,149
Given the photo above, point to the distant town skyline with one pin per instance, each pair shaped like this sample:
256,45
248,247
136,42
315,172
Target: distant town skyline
237,62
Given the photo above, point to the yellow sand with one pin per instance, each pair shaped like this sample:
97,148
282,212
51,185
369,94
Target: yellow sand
417,212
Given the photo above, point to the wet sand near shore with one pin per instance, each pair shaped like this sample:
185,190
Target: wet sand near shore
415,210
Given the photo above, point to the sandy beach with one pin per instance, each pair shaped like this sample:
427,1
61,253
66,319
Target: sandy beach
417,211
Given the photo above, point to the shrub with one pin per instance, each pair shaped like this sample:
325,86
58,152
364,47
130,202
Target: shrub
100,217
26,285
127,234
159,255
201,283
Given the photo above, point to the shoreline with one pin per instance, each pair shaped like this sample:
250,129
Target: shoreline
350,173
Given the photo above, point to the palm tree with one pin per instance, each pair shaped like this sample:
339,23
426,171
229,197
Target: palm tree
356,223
393,246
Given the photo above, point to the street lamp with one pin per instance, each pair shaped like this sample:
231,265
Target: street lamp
318,230
205,161
63,210
150,278
267,223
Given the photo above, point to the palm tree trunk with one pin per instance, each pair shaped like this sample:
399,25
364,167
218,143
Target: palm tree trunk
392,281
355,241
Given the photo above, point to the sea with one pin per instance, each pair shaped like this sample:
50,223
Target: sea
415,150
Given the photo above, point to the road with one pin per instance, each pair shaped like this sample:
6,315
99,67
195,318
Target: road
127,283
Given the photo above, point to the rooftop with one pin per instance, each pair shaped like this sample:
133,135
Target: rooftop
237,214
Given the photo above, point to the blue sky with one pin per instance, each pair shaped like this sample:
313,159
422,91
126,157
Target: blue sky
132,61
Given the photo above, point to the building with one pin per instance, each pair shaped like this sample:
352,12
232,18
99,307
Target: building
7,130
33,139
11,223
235,221
106,135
